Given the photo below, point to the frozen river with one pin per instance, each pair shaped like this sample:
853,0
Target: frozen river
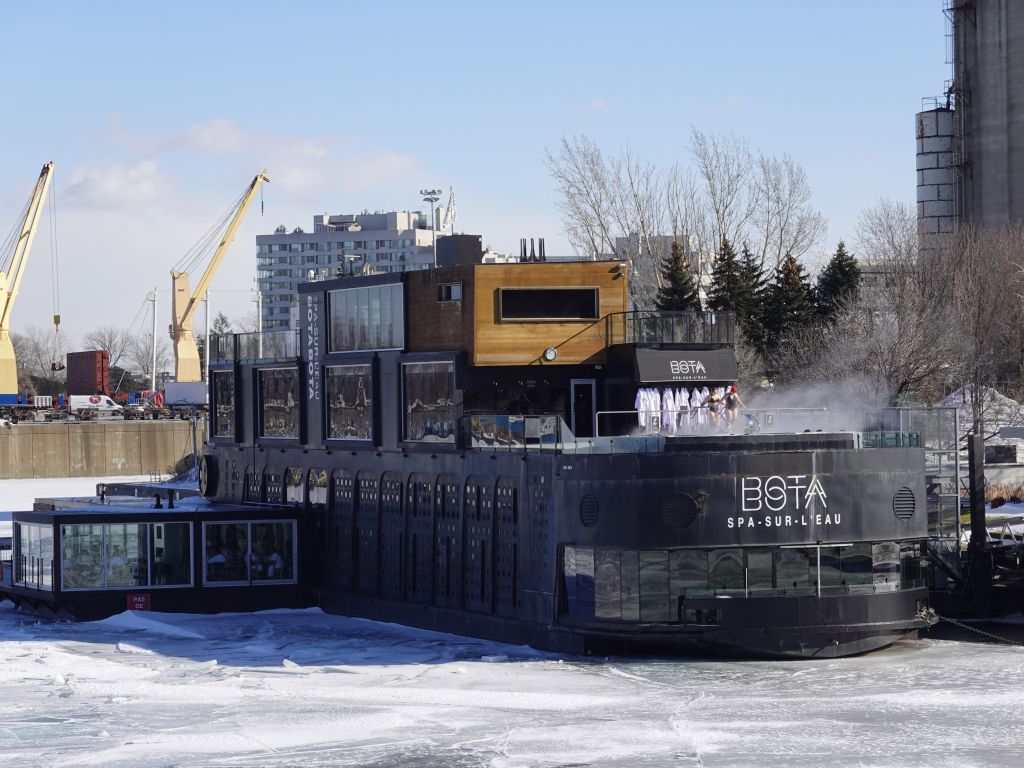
301,688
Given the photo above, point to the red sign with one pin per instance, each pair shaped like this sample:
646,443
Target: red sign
138,601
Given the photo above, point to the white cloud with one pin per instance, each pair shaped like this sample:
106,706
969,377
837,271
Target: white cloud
597,105
117,187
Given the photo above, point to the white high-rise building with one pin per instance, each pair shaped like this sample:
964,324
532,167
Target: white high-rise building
362,243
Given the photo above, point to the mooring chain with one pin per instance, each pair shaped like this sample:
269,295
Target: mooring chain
982,632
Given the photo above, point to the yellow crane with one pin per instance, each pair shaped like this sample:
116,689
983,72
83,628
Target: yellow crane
183,304
10,280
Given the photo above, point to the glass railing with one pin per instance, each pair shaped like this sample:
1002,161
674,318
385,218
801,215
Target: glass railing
260,345
507,433
645,327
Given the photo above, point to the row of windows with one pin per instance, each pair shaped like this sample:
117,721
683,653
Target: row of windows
652,585
346,245
101,556
427,396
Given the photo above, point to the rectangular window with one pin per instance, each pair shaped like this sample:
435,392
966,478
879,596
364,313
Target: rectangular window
793,569
33,564
449,292
241,553
279,402
224,403
725,569
654,600
759,570
607,589
630,580
885,562
349,393
549,303
428,400
366,318
126,555
688,573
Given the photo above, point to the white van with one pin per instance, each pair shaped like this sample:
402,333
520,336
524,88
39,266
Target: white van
89,406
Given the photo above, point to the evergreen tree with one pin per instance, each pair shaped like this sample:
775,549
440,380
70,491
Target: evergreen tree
788,302
678,292
726,294
838,282
750,310
221,325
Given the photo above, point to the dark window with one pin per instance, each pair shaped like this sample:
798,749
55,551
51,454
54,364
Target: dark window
449,292
349,402
224,403
725,569
366,318
428,392
793,568
654,600
293,486
549,304
607,589
279,402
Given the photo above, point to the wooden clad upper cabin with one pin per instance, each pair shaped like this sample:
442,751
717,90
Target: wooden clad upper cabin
509,314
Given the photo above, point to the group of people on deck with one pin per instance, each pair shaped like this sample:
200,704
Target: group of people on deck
680,411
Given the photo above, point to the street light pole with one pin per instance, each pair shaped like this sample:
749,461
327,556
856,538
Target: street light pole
432,196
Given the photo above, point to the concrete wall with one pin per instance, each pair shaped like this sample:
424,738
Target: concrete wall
94,449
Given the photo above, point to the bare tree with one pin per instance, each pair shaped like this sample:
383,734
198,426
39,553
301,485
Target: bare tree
36,351
140,355
114,340
783,219
724,168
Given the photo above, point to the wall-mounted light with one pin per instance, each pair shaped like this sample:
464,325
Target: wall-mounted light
550,354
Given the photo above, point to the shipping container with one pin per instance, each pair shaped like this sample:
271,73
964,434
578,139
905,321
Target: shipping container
89,372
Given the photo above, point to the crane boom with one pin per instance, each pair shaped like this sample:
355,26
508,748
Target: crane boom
186,355
10,281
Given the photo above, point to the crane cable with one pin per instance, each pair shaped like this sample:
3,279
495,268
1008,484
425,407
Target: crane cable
204,246
54,264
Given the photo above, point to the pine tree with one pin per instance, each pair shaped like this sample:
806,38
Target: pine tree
678,292
788,302
750,309
838,283
221,325
726,294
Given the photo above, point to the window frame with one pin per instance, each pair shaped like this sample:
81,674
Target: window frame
502,291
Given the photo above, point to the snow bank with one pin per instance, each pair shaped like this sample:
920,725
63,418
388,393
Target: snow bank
148,622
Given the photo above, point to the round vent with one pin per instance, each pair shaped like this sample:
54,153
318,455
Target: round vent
679,510
904,503
207,476
588,510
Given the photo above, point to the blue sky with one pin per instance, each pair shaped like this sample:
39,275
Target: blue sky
158,115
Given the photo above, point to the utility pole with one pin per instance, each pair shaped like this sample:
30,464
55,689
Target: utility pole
258,298
432,196
152,374
206,361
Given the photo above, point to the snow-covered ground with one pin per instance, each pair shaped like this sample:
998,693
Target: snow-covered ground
302,688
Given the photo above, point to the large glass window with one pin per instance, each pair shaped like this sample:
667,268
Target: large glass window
224,403
549,304
127,562
688,573
249,552
759,570
793,568
654,593
279,402
370,317
885,566
349,390
126,555
428,391
33,566
725,569
607,584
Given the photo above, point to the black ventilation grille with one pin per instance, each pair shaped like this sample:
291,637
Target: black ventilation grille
588,510
904,504
679,510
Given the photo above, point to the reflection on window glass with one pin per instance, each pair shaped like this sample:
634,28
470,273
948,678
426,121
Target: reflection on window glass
631,586
127,548
428,390
584,581
793,568
279,395
654,602
33,566
369,317
293,486
224,403
725,569
910,565
831,567
607,597
759,570
349,402
273,551
688,573
82,555
885,560
171,554
317,483
227,550
569,571
857,566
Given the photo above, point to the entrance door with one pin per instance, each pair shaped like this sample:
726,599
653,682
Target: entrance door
584,400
